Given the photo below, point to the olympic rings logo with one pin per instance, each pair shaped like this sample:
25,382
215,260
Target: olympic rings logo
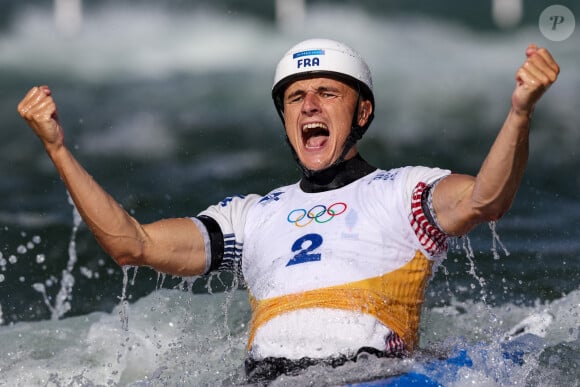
319,214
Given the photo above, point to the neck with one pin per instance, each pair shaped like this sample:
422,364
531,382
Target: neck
336,176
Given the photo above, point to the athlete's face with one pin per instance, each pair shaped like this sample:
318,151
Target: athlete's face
318,115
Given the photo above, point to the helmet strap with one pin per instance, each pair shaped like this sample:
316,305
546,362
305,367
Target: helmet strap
356,132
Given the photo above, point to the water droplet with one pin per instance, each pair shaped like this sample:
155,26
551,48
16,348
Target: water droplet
21,249
12,259
86,272
40,258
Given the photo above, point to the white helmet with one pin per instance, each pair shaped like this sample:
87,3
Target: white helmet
324,57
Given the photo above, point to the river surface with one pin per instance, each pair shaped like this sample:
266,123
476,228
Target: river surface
169,109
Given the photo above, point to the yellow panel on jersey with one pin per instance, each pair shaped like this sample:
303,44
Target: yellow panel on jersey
394,298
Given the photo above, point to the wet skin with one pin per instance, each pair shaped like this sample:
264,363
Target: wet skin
318,115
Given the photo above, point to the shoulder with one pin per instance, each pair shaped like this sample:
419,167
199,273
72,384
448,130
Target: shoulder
416,174
408,175
231,207
239,205
278,194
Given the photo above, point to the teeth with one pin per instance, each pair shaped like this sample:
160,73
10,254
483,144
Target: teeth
314,125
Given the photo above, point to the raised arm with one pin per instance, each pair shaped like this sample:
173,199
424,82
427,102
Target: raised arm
461,201
173,246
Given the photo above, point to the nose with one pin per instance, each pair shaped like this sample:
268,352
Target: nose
311,103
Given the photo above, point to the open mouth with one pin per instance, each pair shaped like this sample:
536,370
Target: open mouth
314,135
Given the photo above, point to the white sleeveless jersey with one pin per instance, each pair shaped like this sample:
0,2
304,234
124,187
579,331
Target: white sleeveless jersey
291,242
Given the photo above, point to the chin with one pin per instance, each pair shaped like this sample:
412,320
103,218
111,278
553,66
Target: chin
319,161
316,166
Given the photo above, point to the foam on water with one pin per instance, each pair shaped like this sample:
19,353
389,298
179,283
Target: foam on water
165,330
417,79
160,70
118,41
175,337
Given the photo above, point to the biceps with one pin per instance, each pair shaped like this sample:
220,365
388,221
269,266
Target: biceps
174,246
452,202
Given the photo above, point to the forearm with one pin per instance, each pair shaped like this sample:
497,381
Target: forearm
501,173
120,235
174,246
462,201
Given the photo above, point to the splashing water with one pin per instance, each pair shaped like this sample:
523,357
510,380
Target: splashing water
124,311
178,338
168,330
64,296
496,241
131,342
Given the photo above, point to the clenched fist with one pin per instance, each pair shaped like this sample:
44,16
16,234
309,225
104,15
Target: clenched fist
537,73
39,111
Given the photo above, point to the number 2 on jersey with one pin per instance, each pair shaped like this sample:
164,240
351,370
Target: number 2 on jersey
304,248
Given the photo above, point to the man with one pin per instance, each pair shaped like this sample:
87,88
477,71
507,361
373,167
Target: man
336,264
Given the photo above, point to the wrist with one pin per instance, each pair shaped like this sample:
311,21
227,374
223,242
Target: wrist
53,150
522,113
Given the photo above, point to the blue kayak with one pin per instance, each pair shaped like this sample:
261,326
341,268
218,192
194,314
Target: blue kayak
438,372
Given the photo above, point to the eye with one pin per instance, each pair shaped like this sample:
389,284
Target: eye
328,94
296,98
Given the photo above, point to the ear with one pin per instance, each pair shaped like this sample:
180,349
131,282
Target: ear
365,110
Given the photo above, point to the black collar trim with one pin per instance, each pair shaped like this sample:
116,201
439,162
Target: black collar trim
336,176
